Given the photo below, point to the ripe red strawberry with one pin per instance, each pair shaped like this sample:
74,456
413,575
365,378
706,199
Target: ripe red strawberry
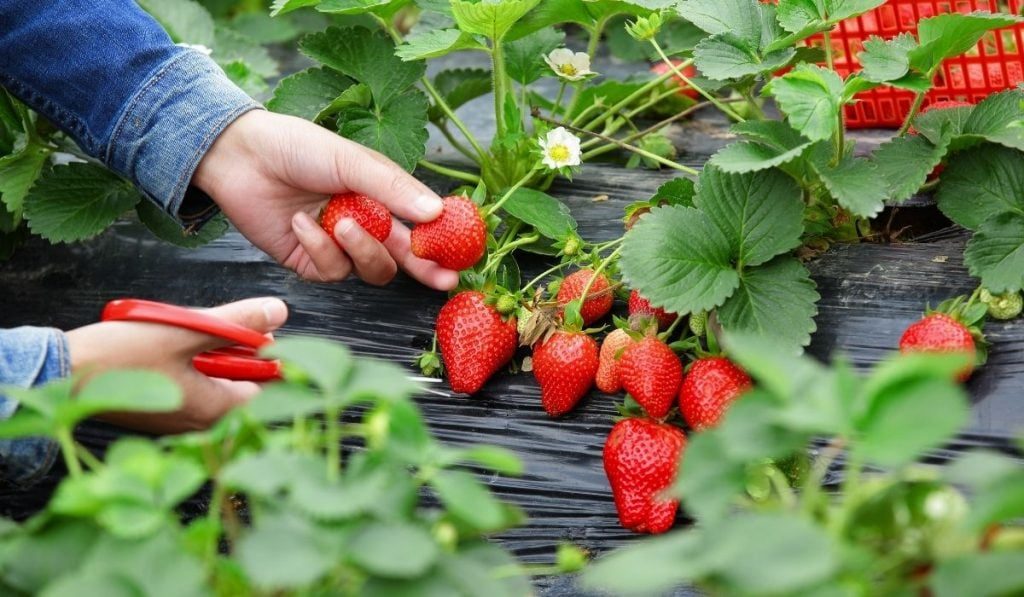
599,298
651,373
475,341
640,459
638,305
456,239
608,380
371,215
565,366
938,332
709,387
661,68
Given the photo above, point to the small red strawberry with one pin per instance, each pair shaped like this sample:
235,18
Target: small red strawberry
371,215
565,366
608,380
938,332
651,373
689,71
475,341
638,305
640,459
456,239
709,387
599,297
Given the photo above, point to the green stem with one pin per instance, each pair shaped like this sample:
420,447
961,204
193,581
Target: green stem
86,456
67,450
542,275
558,98
752,102
597,272
840,136
601,149
914,108
213,514
828,50
678,71
447,111
652,102
781,485
443,127
450,172
509,192
672,328
812,486
498,255
498,85
332,437
629,99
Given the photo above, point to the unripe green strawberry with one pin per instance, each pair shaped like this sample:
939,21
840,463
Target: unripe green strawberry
698,322
1002,306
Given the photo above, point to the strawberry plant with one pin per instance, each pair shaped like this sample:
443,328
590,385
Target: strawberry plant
888,526
291,513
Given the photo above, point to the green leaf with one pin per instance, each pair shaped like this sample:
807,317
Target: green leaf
905,162
741,18
775,144
997,488
709,480
77,201
458,86
991,573
854,182
127,391
934,125
999,118
811,97
241,75
552,12
282,552
88,583
678,191
652,566
231,46
494,458
951,34
436,43
327,363
549,216
166,228
178,574
468,500
34,560
982,183
398,129
282,402
393,550
886,60
996,253
726,56
474,570
18,172
606,94
264,29
524,57
798,15
184,20
357,95
676,257
490,19
777,300
280,7
366,56
760,214
307,93
354,7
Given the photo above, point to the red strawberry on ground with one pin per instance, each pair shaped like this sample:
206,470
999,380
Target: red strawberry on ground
689,71
456,239
651,373
640,459
599,298
638,305
709,387
565,366
371,215
938,332
475,341
608,380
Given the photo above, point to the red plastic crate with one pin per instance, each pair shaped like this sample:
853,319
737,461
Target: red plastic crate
997,63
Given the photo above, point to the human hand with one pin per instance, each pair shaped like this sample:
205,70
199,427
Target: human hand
169,350
271,174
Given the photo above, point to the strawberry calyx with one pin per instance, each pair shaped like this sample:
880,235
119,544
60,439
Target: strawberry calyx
969,312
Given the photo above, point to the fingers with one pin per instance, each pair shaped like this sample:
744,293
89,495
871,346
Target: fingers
427,272
260,314
371,260
329,262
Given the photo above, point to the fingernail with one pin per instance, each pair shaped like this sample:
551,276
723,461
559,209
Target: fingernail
345,226
428,205
275,310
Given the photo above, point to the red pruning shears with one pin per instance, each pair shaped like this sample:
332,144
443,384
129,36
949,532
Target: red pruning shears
236,362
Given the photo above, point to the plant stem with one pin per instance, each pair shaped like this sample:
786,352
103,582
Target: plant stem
829,60
498,255
558,98
542,275
651,129
840,137
443,105
67,450
332,437
450,172
678,71
86,456
914,108
612,111
672,328
597,272
652,102
509,192
812,486
752,102
455,142
499,79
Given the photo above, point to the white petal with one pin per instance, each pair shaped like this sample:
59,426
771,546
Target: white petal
581,61
550,163
561,56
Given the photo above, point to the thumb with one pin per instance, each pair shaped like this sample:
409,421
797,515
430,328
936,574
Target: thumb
260,314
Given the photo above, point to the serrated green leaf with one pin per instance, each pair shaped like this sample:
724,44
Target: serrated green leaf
307,93
231,46
358,95
77,201
248,81
760,214
356,7
999,118
398,129
854,182
951,34
776,300
280,7
468,500
18,172
524,57
996,253
366,56
742,18
393,550
552,12
126,391
748,156
549,216
436,43
811,97
490,19
458,86
678,191
676,257
982,573
935,124
800,15
886,60
282,552
982,183
184,20
726,56
905,163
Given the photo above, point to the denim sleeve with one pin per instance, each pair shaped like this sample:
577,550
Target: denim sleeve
108,75
29,357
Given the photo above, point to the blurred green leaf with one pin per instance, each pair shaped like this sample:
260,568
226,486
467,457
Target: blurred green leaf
329,364
393,550
466,498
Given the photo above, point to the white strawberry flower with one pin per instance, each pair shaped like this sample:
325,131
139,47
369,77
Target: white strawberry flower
569,65
561,148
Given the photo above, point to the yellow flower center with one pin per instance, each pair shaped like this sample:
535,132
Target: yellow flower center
567,69
559,153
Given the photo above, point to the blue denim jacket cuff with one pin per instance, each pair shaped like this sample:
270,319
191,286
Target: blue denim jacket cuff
29,357
168,126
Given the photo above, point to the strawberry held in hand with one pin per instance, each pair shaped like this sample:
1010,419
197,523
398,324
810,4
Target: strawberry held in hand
565,366
475,341
939,332
711,384
599,297
638,305
608,379
456,239
371,215
651,373
640,459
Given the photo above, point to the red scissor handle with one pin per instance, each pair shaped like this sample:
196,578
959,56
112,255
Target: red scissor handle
227,366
